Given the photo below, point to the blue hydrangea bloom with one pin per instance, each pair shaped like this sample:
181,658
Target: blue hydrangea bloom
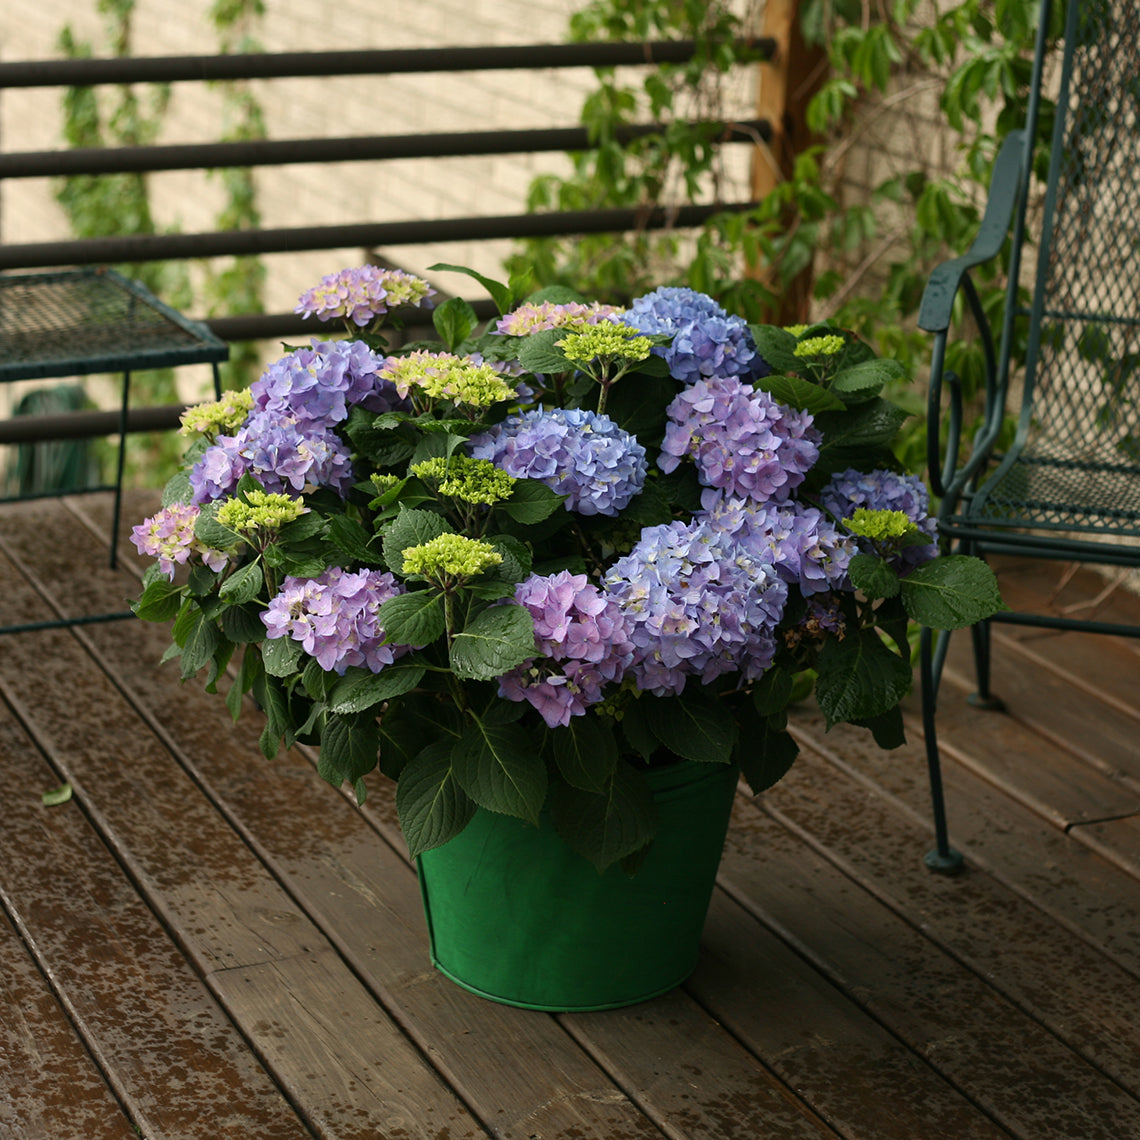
577,453
707,340
697,604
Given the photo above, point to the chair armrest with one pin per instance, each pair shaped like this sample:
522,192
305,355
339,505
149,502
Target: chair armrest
942,287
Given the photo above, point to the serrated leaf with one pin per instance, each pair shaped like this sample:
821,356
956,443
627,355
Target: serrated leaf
500,768
772,692
608,826
274,704
695,727
242,624
951,592
873,576
243,585
160,601
350,746
796,392
415,618
361,690
431,806
497,640
281,656
454,321
208,530
410,528
199,643
887,729
586,753
531,502
538,353
351,539
776,347
859,677
865,381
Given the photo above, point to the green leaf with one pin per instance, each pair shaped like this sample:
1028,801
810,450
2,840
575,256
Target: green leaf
859,677
351,539
431,805
454,321
887,729
772,692
56,796
415,618
410,528
766,753
350,746
275,705
606,827
207,529
497,640
500,768
586,753
951,592
695,727
797,392
873,576
537,353
281,656
502,295
872,424
243,624
360,689
160,601
200,640
636,726
866,380
243,585
531,502
777,347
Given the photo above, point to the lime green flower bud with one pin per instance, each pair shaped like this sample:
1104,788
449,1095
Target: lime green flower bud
606,340
261,511
470,480
820,346
219,417
879,526
450,556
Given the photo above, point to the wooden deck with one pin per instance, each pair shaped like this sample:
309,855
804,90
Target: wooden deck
204,944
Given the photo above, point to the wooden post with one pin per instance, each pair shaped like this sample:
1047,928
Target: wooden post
786,86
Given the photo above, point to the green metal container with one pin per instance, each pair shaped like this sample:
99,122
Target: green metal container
515,916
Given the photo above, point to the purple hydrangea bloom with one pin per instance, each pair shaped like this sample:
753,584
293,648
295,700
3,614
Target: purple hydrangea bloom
282,453
577,453
707,341
799,541
362,294
885,491
583,645
334,617
699,605
169,537
742,441
322,382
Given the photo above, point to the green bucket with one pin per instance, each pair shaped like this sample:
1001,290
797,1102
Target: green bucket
515,916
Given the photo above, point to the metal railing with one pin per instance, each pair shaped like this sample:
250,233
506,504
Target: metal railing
367,235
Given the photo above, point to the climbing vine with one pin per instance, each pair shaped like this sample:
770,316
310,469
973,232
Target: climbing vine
871,252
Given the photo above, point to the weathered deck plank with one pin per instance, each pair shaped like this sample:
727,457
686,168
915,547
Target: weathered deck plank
843,992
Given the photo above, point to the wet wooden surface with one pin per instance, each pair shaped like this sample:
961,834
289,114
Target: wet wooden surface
204,944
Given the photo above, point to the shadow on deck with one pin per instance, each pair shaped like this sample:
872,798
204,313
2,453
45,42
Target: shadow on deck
203,944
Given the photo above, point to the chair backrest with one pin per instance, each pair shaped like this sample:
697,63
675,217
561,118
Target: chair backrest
1081,415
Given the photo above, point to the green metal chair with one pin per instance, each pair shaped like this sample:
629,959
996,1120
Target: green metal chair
1068,487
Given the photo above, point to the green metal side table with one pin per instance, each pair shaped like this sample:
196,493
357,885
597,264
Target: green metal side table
77,322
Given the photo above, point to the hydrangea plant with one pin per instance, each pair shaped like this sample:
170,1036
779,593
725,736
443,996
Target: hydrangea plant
521,567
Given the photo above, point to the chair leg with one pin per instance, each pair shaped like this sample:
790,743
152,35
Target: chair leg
943,859
983,698
117,513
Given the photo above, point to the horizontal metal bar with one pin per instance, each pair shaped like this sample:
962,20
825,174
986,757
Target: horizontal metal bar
323,64
158,247
281,152
88,424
